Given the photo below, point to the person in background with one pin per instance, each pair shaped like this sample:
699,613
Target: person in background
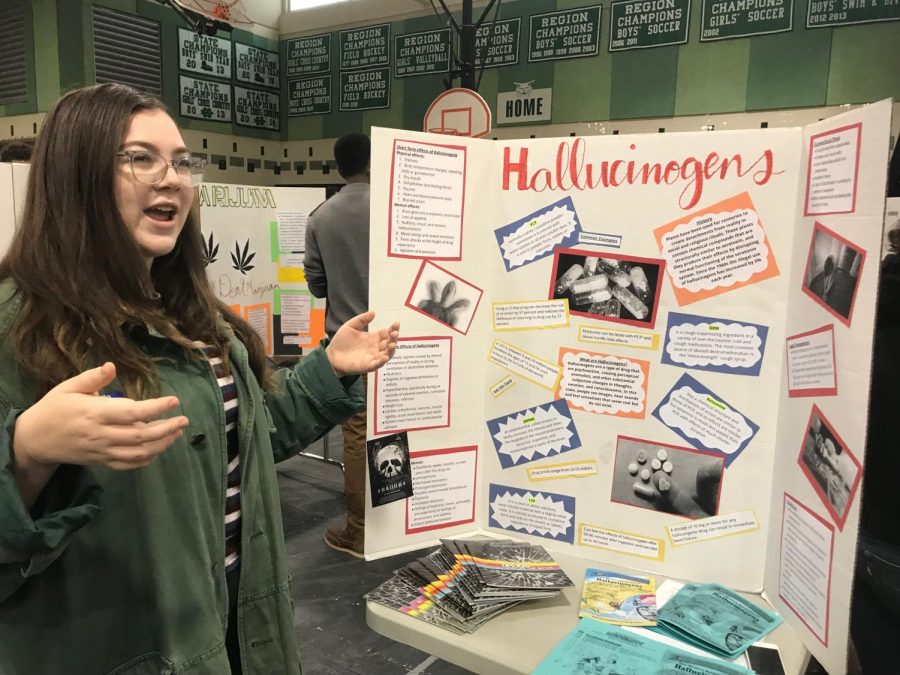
337,268
140,523
15,152
875,613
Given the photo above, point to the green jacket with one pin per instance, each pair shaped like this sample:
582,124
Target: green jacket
123,571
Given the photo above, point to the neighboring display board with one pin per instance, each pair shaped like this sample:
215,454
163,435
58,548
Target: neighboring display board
821,13
259,109
253,243
422,53
309,55
365,47
365,89
724,19
497,43
567,34
256,66
204,54
309,96
204,99
637,24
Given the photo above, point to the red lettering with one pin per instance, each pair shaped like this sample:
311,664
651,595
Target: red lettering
616,165
541,174
692,172
564,157
520,168
711,164
572,171
674,168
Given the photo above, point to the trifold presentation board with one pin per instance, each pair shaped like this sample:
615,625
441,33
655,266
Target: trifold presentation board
649,350
253,245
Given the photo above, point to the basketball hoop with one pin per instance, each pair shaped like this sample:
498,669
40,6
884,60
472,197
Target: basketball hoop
458,112
212,15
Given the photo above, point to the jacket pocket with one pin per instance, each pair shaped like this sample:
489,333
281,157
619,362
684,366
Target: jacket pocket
267,635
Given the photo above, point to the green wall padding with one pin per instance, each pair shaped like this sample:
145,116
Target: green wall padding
643,83
789,70
712,76
865,63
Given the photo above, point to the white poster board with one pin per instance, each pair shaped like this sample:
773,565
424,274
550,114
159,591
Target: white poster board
619,312
13,185
253,242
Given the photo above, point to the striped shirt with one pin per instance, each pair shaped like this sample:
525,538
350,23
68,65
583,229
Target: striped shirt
233,485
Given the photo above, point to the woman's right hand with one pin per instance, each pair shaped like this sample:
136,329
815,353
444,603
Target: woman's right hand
73,424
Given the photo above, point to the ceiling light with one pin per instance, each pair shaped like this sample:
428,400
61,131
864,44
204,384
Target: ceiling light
298,5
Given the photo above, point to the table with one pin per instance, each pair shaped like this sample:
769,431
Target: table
517,640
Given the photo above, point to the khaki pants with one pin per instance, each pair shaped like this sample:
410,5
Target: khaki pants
355,470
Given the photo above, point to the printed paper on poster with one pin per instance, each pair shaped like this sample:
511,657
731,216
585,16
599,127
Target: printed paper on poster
443,489
666,478
705,420
603,383
611,287
291,232
719,345
832,171
412,391
811,363
536,235
427,200
804,581
563,470
445,297
294,308
715,527
534,433
715,250
829,465
833,270
259,317
621,542
543,514
526,365
601,239
618,338
530,315
390,478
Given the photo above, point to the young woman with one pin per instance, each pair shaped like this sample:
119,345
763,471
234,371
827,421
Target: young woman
140,528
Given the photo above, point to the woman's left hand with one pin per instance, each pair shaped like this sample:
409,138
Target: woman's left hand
353,351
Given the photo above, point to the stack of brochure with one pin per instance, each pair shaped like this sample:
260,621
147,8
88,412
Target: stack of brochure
594,647
716,619
466,582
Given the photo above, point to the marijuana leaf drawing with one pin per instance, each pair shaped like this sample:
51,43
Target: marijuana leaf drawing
210,249
242,259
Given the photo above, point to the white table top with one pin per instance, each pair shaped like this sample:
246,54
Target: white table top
517,640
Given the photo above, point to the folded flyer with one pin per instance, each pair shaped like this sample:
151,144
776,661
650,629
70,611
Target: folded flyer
595,647
618,599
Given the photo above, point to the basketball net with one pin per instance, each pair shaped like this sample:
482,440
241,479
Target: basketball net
231,12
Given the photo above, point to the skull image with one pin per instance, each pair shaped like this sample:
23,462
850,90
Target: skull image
389,460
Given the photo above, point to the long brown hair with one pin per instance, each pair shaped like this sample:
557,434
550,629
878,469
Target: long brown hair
83,282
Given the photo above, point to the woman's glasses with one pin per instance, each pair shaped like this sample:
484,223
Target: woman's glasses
150,168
